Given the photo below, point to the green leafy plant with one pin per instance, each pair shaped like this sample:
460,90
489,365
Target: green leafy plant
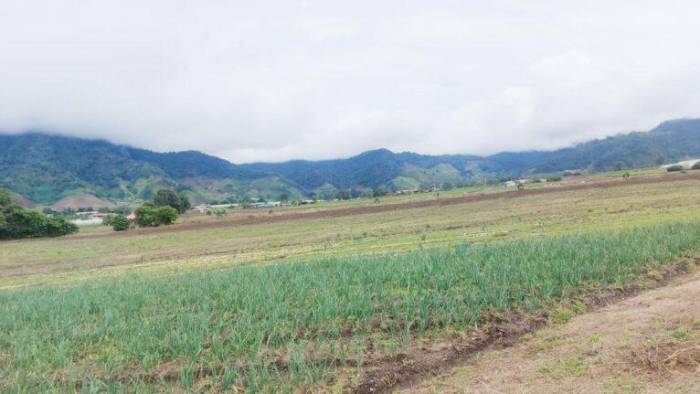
148,215
19,222
120,223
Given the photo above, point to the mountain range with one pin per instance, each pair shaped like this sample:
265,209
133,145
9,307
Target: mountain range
49,169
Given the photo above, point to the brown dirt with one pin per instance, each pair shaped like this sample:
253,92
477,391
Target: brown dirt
574,185
648,343
404,370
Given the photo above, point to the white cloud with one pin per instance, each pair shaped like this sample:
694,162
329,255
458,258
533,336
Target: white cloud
275,80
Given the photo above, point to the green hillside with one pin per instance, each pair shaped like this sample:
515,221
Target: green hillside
670,141
44,168
48,168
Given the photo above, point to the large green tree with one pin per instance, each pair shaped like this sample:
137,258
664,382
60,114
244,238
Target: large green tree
166,197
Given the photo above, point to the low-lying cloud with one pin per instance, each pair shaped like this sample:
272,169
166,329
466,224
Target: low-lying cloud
275,80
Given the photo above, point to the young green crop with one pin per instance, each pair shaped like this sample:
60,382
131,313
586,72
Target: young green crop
277,327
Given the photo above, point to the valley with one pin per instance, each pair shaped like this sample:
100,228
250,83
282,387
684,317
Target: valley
327,280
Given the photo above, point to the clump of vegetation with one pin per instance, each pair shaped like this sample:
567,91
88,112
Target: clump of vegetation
680,334
113,333
562,315
18,222
148,215
674,168
163,210
169,198
120,223
696,166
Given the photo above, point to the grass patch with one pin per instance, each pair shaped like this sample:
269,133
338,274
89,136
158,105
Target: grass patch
680,334
278,327
562,315
574,366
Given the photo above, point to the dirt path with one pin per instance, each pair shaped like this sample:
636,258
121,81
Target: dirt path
572,185
649,343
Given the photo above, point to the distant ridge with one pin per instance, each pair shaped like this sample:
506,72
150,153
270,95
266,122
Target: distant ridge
670,141
44,168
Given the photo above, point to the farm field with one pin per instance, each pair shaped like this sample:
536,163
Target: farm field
311,232
323,301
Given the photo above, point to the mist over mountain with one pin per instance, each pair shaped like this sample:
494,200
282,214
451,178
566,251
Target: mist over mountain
45,168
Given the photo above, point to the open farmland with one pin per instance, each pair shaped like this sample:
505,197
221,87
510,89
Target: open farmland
319,299
398,224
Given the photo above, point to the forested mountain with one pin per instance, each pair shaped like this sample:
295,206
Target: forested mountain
369,169
46,168
670,141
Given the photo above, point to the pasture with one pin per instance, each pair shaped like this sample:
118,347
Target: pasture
311,300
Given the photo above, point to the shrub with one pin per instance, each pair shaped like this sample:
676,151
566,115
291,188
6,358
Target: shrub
19,222
166,215
674,168
145,216
696,166
57,226
120,223
149,216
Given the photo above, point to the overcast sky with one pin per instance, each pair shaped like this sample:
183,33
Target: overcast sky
275,80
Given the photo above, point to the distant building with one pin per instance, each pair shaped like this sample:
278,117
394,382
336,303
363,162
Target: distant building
409,191
86,222
202,208
516,182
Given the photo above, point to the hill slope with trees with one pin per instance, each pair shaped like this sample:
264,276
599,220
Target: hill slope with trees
46,168
670,141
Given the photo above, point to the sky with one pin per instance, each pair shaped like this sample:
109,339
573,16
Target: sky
277,80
